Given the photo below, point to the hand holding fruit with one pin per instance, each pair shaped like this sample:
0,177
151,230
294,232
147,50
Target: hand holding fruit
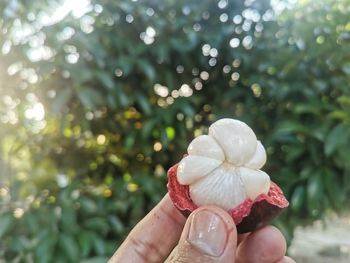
208,235
219,185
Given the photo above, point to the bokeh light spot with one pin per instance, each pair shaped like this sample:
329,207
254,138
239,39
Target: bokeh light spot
132,187
234,42
18,212
101,139
157,147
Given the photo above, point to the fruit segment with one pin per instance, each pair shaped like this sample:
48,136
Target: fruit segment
223,188
256,182
206,146
259,158
193,168
236,139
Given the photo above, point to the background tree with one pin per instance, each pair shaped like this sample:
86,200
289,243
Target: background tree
99,98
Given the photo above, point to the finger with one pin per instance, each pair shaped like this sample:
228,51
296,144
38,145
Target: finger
268,245
209,236
154,237
242,237
286,260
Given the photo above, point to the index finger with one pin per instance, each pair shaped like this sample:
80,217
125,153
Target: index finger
153,238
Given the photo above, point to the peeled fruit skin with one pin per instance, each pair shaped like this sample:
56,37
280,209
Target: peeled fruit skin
248,216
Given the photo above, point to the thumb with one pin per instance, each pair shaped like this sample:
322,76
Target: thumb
209,236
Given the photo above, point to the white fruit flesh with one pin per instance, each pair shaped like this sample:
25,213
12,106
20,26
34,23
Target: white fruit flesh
194,167
205,145
222,188
222,168
236,139
259,158
255,182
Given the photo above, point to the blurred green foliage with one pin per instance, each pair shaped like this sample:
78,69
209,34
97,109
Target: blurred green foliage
99,98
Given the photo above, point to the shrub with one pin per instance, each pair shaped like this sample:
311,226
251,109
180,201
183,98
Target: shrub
97,104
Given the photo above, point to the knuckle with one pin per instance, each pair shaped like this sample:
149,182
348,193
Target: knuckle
146,251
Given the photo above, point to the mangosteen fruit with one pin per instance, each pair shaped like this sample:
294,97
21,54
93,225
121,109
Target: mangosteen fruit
223,169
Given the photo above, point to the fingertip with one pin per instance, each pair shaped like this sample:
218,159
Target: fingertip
213,211
209,235
268,245
231,231
277,241
221,213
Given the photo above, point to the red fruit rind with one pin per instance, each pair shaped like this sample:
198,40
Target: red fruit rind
179,194
248,216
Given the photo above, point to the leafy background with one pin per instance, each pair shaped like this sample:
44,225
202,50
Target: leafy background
99,98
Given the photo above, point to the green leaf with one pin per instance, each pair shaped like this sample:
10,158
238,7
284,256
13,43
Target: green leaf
312,108
32,222
346,68
144,103
162,52
163,137
298,198
345,100
333,188
6,223
88,205
116,223
336,138
106,79
99,246
86,239
21,243
148,127
69,219
61,99
98,224
188,110
147,69
315,193
130,140
290,127
126,63
339,115
44,250
89,97
294,152
69,247
80,76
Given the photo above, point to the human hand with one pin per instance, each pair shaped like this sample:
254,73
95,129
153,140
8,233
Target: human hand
208,236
